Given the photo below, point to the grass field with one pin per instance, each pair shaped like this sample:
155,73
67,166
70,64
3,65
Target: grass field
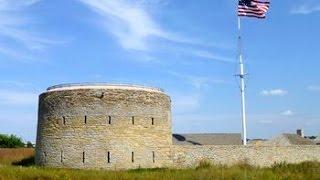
305,171
9,156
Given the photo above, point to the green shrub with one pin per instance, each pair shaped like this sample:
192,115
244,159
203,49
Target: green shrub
10,141
204,164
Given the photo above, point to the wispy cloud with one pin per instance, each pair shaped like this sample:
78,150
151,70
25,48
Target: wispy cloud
313,88
15,30
287,113
306,8
209,55
130,23
274,92
199,81
12,97
134,28
265,121
12,83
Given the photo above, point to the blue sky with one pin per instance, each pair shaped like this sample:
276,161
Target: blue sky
188,48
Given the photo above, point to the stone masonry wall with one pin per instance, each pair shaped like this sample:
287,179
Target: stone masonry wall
104,129
190,156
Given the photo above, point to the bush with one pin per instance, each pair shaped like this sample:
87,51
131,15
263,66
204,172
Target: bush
11,141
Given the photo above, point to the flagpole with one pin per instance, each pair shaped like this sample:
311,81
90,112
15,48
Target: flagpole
242,85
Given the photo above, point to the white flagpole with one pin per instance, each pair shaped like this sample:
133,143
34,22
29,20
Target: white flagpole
242,86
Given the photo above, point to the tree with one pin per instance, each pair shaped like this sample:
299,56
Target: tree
29,144
10,141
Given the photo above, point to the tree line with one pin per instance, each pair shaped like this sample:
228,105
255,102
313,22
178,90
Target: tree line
13,141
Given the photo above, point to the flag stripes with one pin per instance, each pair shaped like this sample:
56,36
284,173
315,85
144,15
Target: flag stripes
253,8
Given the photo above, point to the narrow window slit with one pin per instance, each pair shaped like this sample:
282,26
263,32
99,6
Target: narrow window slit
61,156
132,119
45,156
109,119
83,157
108,156
85,119
64,120
152,121
153,157
132,156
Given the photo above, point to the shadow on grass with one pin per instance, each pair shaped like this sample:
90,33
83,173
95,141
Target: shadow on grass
29,161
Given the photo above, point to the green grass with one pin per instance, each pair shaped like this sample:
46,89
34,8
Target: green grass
18,164
306,170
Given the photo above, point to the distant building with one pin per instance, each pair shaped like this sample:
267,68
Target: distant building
289,140
207,139
317,140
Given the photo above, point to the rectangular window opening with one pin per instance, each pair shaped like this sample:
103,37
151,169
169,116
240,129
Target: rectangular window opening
64,120
152,121
109,119
108,156
132,120
153,157
83,157
85,119
132,156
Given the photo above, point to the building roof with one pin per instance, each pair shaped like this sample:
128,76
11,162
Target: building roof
207,139
290,139
317,140
298,140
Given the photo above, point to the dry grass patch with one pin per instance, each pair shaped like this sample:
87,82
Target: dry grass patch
9,156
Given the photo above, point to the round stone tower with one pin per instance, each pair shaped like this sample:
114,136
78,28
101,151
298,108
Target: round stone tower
103,126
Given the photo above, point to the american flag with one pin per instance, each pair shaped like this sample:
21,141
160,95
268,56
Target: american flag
253,8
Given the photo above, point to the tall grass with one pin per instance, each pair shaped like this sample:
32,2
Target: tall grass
205,170
9,156
305,171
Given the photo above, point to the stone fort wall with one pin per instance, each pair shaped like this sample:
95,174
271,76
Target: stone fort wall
263,156
104,127
127,127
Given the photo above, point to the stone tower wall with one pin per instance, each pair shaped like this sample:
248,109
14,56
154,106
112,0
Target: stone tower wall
107,127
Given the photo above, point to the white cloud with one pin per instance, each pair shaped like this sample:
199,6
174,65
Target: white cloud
15,29
313,88
209,55
274,92
182,103
287,113
306,9
130,23
15,4
12,97
134,28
